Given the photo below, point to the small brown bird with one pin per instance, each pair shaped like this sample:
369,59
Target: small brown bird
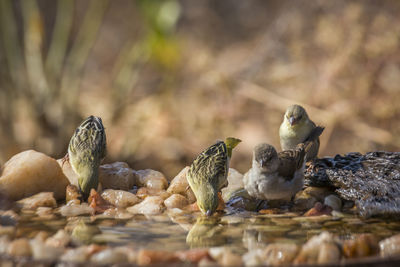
297,128
275,175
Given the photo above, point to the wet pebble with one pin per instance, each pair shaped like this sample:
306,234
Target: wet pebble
109,256
280,253
180,185
44,199
390,246
80,254
144,192
116,213
60,239
318,210
117,176
76,210
41,251
19,248
235,182
334,202
148,257
176,201
72,193
360,246
193,255
152,179
45,213
4,243
321,248
150,205
120,198
224,256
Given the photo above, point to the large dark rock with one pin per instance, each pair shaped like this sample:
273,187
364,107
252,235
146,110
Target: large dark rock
372,180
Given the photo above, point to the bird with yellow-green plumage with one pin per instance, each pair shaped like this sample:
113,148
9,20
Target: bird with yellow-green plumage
208,174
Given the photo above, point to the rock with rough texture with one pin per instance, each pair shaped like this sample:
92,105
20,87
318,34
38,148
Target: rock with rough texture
372,180
120,198
152,179
149,206
176,201
117,176
44,199
31,172
390,246
180,185
235,182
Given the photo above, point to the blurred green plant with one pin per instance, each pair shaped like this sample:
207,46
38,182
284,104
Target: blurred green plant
41,87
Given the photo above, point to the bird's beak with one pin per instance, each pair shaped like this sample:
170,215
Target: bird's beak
263,163
208,213
292,120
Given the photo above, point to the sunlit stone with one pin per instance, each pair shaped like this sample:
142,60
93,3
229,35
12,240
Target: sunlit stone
120,198
176,201
150,205
31,172
76,210
390,246
180,185
44,199
152,179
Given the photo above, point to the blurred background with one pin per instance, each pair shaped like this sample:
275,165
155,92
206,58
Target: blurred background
170,77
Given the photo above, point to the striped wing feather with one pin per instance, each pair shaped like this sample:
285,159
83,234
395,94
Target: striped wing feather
290,161
89,139
210,165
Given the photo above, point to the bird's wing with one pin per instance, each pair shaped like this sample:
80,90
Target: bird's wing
210,165
311,144
89,139
290,161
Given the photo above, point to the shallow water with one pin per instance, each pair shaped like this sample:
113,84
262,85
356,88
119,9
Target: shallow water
240,231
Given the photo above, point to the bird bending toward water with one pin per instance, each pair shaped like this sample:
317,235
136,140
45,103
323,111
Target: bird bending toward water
275,175
297,128
86,150
208,174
